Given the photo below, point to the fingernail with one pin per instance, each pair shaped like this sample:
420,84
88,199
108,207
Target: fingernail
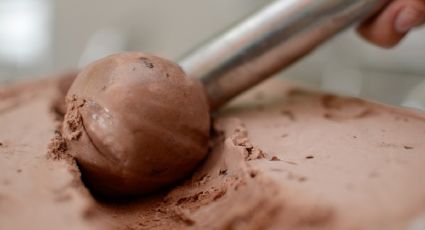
407,19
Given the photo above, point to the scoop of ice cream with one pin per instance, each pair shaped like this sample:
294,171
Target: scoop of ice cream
135,123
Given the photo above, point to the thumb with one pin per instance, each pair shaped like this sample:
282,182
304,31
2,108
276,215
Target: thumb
391,25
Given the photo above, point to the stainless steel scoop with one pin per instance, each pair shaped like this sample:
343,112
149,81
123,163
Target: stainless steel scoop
269,41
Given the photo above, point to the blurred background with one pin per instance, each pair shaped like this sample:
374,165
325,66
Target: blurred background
42,37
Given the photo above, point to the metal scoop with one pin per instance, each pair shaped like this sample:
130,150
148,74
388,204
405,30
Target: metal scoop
269,41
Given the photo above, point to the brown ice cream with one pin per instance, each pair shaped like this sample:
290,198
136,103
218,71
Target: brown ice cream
281,158
135,123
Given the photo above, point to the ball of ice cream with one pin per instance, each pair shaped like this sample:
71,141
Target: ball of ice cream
135,123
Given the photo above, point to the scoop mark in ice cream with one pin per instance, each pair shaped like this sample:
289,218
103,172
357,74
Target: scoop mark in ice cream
340,109
290,115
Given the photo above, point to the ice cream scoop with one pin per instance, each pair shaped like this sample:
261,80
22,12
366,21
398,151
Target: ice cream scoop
136,122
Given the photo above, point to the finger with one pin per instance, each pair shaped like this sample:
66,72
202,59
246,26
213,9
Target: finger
390,26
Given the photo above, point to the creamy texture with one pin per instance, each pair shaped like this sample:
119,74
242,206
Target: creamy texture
37,192
135,123
281,158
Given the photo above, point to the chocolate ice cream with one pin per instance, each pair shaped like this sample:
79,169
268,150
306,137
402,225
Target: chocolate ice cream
282,157
135,123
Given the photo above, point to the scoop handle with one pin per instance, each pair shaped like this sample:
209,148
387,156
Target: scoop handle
269,41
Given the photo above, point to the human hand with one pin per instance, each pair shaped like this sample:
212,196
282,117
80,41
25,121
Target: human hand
389,27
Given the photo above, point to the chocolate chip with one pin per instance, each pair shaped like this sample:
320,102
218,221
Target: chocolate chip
147,63
275,158
223,172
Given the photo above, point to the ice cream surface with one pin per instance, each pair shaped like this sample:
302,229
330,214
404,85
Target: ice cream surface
135,123
281,157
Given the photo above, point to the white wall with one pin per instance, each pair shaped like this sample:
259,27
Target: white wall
82,30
